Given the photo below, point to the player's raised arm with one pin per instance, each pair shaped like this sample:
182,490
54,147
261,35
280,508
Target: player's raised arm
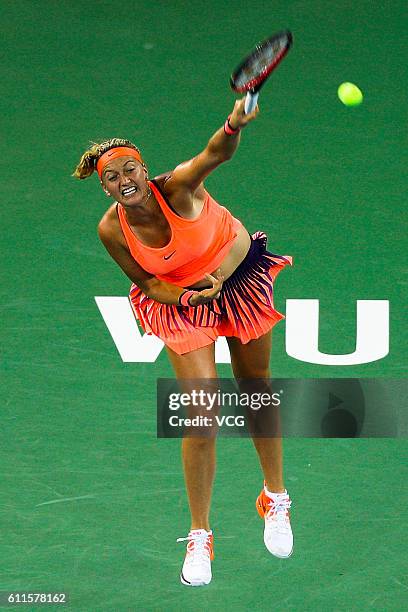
221,147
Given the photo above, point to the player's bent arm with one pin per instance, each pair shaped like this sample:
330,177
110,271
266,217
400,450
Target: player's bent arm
157,290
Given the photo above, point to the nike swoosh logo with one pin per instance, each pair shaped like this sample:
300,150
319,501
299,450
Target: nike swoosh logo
168,256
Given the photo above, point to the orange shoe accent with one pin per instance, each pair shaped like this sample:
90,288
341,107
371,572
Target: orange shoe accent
211,538
262,504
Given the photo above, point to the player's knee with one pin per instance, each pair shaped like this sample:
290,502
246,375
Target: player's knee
201,440
253,373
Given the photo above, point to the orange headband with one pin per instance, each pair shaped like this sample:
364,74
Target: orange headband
113,154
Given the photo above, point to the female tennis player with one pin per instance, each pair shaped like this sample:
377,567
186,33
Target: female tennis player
197,274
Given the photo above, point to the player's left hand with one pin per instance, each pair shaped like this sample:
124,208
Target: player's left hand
206,295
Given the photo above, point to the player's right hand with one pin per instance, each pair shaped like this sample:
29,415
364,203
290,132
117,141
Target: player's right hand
238,118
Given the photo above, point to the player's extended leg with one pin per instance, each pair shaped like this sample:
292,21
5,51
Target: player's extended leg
198,455
251,361
198,452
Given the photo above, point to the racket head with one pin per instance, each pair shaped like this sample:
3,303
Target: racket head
253,71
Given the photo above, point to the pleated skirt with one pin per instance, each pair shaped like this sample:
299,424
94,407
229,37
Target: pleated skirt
244,309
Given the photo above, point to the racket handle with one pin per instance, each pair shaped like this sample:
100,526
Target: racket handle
251,101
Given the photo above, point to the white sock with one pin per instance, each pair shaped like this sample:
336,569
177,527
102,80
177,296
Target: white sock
273,495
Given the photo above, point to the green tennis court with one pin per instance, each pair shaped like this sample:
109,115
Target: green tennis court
92,502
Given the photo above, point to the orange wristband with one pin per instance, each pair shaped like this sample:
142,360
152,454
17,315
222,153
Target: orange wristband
228,129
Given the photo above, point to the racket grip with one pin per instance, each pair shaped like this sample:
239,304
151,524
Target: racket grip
251,101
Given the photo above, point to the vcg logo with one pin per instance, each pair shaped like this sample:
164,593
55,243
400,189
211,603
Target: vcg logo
302,333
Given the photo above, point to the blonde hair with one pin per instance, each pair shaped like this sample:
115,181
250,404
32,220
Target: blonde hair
87,163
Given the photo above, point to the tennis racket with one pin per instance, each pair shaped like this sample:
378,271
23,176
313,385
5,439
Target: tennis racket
253,71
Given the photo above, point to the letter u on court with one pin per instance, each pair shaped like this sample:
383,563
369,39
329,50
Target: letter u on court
302,333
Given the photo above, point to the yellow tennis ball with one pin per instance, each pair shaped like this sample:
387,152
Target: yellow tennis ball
350,94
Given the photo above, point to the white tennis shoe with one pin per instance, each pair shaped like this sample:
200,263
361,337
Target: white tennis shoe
196,570
278,536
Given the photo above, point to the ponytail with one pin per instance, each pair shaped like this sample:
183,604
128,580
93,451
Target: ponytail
87,162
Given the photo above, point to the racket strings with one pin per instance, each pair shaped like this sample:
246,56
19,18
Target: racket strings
261,62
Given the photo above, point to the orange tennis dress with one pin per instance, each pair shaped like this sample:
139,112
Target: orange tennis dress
245,307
